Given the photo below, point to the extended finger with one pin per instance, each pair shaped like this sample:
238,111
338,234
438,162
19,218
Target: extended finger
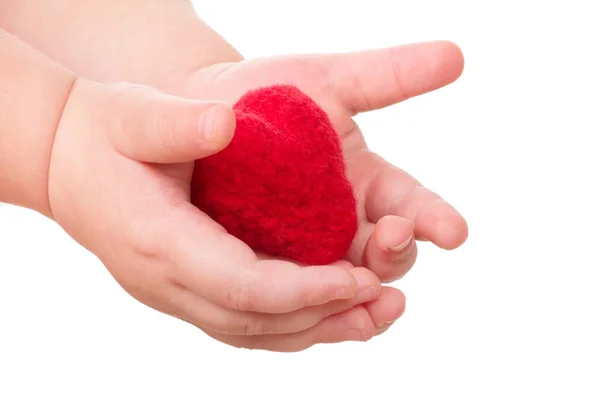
374,79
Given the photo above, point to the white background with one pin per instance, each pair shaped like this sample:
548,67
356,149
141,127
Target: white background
507,326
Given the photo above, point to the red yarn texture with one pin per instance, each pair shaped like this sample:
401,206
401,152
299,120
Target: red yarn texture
281,186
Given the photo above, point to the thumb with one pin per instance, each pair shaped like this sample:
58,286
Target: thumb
154,127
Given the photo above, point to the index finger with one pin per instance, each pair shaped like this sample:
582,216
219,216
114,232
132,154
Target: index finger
373,79
221,268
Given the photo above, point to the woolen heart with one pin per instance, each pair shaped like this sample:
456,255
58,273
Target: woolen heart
281,185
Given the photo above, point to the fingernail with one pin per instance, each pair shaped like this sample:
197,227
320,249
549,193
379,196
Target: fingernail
402,245
383,328
385,324
366,295
344,293
356,335
207,123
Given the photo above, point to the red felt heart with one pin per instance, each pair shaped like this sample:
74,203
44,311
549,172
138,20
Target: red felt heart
281,186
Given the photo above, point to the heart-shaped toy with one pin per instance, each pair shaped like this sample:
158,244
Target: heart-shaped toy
281,185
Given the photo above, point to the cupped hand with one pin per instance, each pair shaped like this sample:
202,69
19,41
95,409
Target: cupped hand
117,186
395,210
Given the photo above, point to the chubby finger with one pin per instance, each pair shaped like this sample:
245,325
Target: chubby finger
368,80
224,270
391,250
153,127
197,310
388,308
435,219
343,264
392,191
352,325
382,329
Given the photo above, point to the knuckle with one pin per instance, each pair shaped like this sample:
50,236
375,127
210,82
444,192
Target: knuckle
403,262
397,77
238,297
243,292
254,327
164,128
147,238
267,325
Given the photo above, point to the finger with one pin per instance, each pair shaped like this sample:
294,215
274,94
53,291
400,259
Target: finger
153,127
435,219
197,310
388,308
351,325
394,192
364,81
221,268
343,264
391,251
339,263
387,248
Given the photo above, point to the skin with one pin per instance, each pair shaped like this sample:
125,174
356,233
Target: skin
171,256
394,208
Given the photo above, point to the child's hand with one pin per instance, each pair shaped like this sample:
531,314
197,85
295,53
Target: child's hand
116,186
394,208
176,42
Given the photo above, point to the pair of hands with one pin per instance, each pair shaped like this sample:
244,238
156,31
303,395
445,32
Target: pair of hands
125,197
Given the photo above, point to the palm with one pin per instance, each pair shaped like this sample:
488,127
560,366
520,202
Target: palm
391,203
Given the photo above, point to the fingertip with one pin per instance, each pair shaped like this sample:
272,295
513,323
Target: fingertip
223,126
150,126
366,279
440,223
391,251
389,308
400,302
383,328
216,125
393,233
450,228
359,325
451,232
334,283
453,59
456,53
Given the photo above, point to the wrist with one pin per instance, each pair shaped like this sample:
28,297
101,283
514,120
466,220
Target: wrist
33,94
